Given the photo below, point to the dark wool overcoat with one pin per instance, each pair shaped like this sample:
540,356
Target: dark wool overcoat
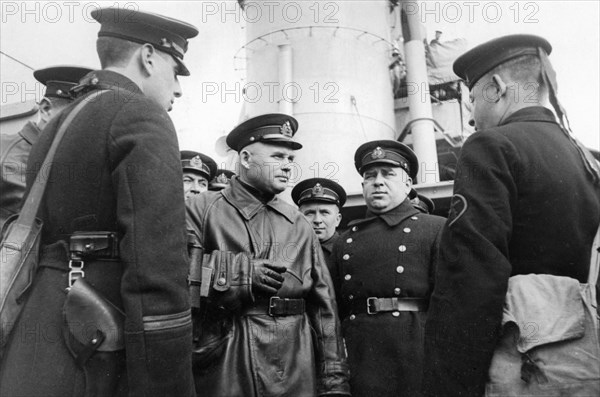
391,255
116,169
523,203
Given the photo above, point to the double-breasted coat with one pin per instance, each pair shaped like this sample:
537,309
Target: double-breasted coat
241,350
523,203
116,169
391,255
13,163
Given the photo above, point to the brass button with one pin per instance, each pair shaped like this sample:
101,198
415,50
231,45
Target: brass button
406,230
346,257
349,240
221,281
395,314
347,277
414,218
354,228
350,297
400,269
397,291
402,248
352,317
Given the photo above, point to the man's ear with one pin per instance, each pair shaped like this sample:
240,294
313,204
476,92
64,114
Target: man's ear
338,219
45,107
146,58
500,84
245,158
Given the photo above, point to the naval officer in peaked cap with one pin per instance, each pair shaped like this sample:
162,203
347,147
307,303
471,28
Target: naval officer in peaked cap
122,135
526,203
14,149
383,273
320,200
198,170
265,279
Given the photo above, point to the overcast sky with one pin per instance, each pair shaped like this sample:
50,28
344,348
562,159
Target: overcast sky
41,34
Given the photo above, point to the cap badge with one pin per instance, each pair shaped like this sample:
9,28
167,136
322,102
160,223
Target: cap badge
196,162
378,153
286,129
222,179
317,190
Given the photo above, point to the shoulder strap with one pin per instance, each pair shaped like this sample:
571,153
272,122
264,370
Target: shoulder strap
34,198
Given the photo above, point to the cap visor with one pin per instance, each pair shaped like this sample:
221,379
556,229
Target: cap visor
284,142
182,69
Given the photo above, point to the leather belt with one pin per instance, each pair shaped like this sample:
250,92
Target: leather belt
90,246
381,305
276,307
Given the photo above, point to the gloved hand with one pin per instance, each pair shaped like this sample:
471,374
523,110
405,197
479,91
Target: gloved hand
267,277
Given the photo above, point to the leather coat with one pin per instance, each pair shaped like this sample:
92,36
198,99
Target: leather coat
240,350
13,160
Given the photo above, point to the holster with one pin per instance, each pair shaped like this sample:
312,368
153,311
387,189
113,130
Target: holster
94,334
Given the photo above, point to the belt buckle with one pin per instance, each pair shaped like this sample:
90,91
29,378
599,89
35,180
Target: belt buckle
272,301
371,301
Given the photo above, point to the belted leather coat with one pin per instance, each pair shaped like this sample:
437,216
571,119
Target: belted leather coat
239,349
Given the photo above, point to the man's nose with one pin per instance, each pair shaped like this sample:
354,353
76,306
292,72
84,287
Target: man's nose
177,92
286,165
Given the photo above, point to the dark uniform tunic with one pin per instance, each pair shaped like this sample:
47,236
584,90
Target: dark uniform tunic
13,161
385,256
327,247
116,169
523,204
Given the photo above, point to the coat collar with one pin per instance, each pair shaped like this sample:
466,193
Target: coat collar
532,113
105,80
393,217
30,132
327,246
249,205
